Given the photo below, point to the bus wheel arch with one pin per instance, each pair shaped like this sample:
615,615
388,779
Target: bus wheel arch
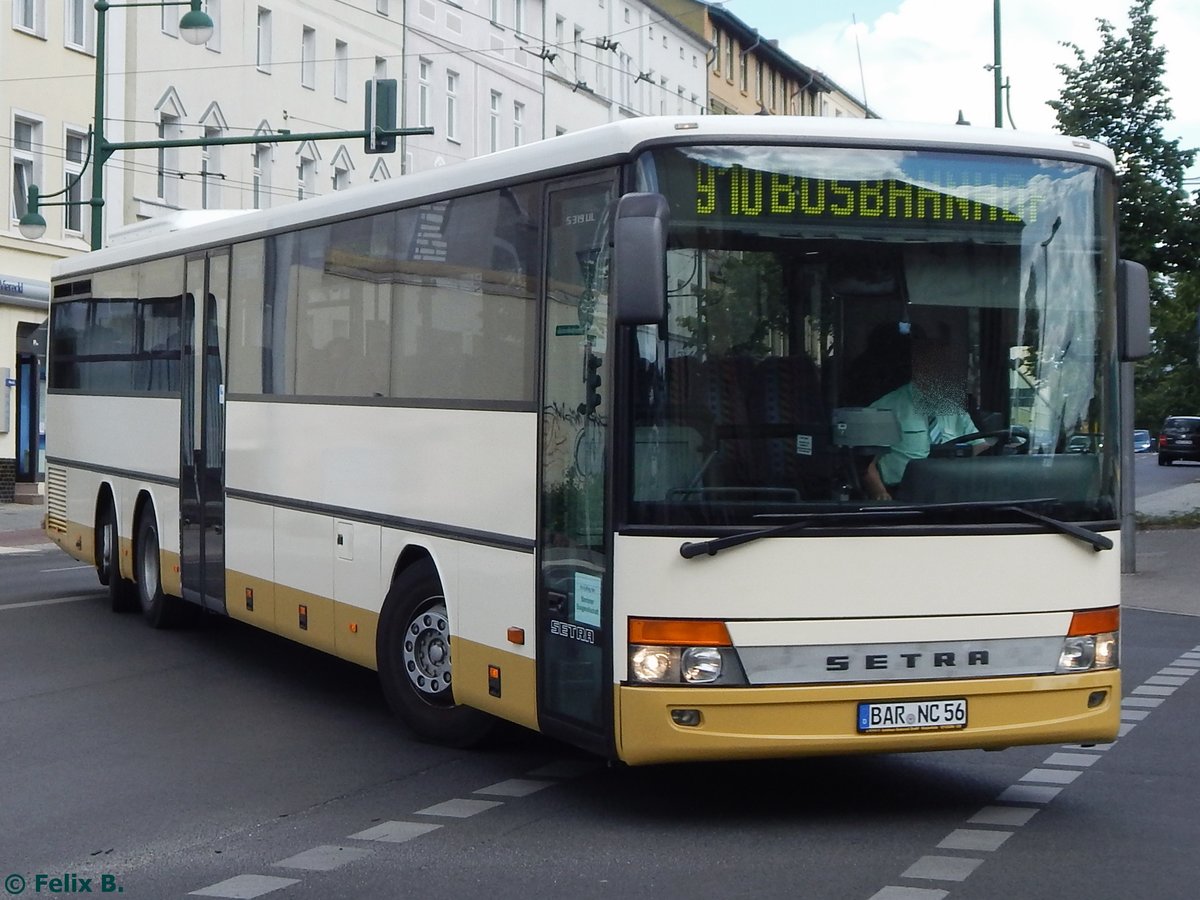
412,649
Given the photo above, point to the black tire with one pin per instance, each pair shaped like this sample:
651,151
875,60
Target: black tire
413,652
122,593
159,610
1164,460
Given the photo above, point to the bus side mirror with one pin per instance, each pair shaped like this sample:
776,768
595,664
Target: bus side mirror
1133,307
640,259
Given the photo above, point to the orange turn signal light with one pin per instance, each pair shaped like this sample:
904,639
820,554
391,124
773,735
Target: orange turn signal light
679,632
1095,621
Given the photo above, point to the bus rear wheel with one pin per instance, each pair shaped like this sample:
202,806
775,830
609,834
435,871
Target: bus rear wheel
122,594
413,652
159,610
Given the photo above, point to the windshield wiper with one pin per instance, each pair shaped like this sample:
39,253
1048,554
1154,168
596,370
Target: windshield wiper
1021,507
690,549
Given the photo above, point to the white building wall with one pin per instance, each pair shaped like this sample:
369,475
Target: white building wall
486,48
619,58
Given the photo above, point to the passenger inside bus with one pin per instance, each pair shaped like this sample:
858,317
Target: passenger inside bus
929,408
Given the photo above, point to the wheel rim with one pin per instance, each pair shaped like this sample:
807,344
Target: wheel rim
426,652
107,540
148,583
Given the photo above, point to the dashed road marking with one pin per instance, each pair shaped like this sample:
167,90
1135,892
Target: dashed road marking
515,787
458,808
245,887
323,858
394,832
1017,804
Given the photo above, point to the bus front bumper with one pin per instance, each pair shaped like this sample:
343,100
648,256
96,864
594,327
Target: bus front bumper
767,722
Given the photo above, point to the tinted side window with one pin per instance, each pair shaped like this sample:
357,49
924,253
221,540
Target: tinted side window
124,339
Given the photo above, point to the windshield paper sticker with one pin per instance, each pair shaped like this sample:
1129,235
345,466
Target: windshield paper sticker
587,599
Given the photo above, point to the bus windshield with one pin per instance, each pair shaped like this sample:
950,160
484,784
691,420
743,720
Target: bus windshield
852,328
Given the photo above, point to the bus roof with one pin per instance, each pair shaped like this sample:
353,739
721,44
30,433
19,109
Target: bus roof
605,143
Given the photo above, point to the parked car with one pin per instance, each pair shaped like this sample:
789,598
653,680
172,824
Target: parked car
1084,443
1179,439
1142,442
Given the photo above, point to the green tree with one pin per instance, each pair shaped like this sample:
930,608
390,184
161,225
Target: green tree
1117,97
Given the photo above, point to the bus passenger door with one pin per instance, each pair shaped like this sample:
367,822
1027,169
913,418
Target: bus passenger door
575,685
202,432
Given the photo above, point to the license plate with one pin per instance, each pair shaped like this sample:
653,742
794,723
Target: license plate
913,715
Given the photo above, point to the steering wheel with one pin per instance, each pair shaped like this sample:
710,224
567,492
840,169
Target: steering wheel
1016,440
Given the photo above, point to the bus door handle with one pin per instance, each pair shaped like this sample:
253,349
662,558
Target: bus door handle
556,601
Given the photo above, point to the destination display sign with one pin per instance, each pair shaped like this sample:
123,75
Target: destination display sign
934,194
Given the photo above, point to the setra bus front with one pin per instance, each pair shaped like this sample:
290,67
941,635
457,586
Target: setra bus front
843,514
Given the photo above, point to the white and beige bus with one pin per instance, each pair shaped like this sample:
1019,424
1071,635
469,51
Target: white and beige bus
619,435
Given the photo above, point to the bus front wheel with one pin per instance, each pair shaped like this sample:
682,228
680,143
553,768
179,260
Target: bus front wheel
413,654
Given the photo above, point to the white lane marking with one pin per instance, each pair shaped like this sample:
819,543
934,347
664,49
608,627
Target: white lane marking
1154,690
1134,715
1071,759
515,787
1142,701
1051,776
1125,728
458,809
65,569
943,868
1168,680
245,887
1028,793
977,840
1186,673
895,892
53,601
395,832
1002,815
323,858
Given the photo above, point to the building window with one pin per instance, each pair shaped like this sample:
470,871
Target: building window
381,7
76,153
627,15
168,161
758,81
380,67
262,176
341,178
26,157
744,73
168,20
30,15
662,96
519,16
729,59
494,123
80,26
210,172
262,55
494,13
341,69
424,89
308,57
577,50
307,177
452,106
518,124
560,27
773,85
213,8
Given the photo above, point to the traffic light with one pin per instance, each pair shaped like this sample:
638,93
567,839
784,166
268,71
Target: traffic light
591,383
380,114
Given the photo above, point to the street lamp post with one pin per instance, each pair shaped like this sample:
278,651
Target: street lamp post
196,28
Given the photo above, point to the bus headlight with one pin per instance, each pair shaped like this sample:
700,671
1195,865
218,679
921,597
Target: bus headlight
700,665
654,664
1092,641
682,652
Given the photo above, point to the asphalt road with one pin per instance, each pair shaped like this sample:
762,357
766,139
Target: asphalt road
221,761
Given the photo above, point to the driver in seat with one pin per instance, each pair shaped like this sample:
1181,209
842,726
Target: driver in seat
929,410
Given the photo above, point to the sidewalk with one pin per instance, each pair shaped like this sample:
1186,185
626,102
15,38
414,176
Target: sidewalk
21,525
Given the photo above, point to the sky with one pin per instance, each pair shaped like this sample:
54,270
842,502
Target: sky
923,60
